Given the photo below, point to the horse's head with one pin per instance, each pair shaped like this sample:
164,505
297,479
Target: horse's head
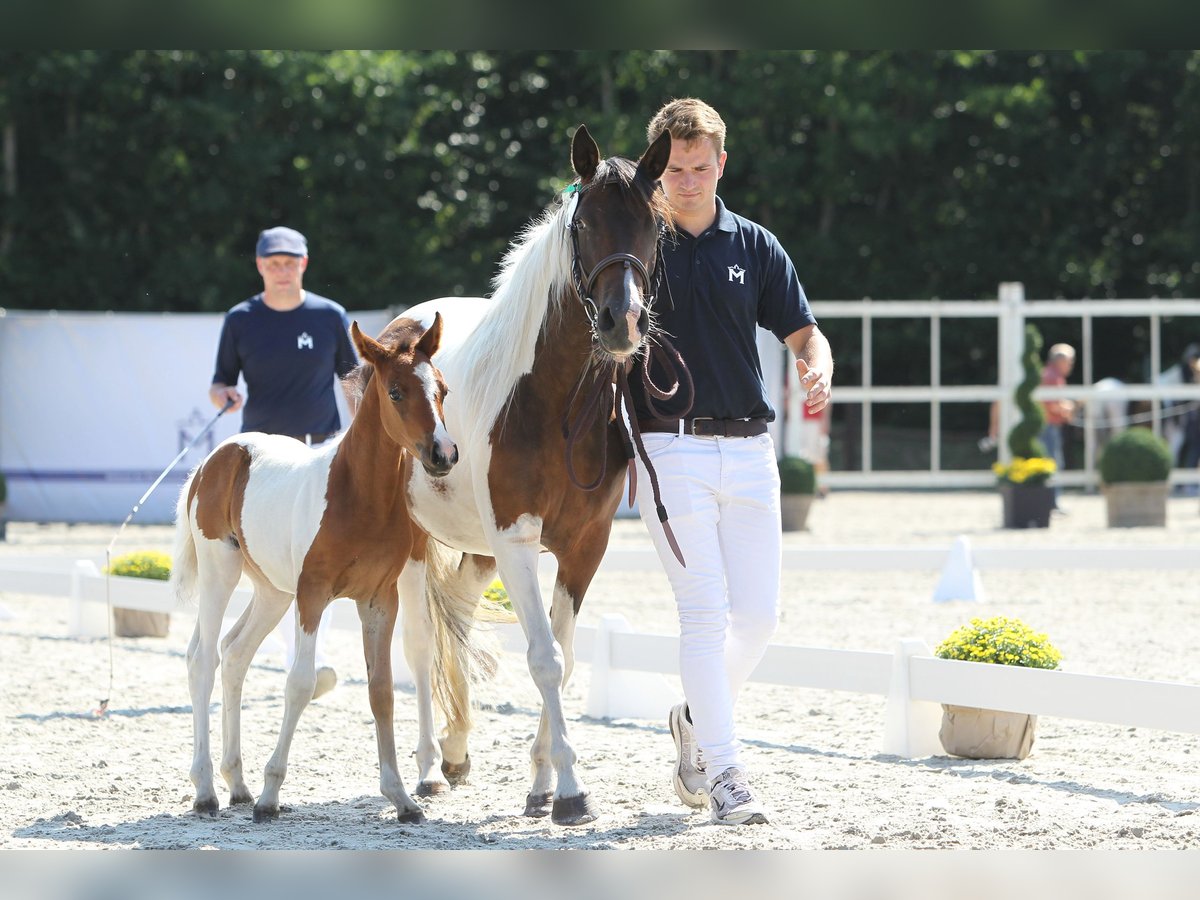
410,390
615,220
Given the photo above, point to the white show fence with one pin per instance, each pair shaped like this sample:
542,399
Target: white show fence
626,667
1010,310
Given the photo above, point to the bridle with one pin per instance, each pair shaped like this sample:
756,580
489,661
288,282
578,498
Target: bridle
660,350
583,284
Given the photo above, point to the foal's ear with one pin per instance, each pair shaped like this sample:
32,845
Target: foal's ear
369,349
585,155
432,338
654,161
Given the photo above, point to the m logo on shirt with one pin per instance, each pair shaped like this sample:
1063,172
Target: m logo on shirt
303,340
738,274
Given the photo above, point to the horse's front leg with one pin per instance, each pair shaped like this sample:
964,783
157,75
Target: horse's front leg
378,621
571,804
562,621
300,683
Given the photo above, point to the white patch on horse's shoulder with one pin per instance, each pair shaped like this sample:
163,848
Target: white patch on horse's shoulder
526,530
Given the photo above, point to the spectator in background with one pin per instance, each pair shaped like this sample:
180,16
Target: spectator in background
291,346
814,441
1181,418
1060,362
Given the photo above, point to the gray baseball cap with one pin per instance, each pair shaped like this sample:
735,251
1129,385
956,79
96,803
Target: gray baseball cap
281,240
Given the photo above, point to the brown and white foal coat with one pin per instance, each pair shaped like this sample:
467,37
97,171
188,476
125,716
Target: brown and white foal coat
313,525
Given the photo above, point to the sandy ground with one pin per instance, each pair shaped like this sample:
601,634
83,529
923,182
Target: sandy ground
70,780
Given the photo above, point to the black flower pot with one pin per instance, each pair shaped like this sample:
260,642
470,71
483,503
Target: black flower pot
1027,505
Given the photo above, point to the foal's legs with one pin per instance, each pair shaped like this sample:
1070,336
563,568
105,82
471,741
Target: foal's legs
237,652
218,568
300,683
378,621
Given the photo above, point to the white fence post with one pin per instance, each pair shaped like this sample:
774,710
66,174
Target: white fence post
1011,335
85,620
910,726
624,693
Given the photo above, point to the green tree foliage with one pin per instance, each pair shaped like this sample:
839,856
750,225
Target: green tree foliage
139,179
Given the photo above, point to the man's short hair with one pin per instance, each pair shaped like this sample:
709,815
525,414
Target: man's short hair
688,120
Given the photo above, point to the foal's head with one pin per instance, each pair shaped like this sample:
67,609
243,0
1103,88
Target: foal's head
614,234
410,389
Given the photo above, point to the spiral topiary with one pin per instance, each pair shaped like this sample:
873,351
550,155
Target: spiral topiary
1024,440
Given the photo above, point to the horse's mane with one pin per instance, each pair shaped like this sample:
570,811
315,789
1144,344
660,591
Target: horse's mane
536,267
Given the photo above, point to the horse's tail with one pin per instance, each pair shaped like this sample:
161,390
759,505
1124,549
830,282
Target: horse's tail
184,569
456,603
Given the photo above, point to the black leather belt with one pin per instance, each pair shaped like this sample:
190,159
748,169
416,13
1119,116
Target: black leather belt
703,427
313,439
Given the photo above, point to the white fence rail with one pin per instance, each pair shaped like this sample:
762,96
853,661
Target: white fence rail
626,667
1010,310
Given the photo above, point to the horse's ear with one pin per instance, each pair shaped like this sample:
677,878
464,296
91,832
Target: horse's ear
654,161
369,349
432,338
585,155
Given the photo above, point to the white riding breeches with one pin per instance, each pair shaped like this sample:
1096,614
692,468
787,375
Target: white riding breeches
721,495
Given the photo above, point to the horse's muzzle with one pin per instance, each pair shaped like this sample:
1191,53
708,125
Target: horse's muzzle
439,458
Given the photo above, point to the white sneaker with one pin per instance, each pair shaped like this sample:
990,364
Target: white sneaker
326,681
731,802
689,777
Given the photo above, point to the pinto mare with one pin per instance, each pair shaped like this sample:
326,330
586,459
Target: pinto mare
313,524
531,374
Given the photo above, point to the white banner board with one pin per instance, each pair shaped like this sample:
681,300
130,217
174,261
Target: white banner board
93,407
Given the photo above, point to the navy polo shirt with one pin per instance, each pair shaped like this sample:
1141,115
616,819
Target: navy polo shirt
289,359
723,284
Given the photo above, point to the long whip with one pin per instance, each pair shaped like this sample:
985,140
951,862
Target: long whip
102,709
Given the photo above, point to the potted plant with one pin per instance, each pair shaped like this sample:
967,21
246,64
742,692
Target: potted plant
1024,488
136,622
1135,468
986,733
797,487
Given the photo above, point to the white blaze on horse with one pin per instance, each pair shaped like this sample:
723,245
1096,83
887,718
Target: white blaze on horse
312,525
532,374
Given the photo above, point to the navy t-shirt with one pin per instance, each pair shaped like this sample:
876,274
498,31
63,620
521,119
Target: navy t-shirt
289,360
723,284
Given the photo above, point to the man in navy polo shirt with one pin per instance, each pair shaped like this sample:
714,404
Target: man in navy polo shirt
290,345
716,464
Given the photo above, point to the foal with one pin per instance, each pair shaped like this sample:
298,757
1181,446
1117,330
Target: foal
313,525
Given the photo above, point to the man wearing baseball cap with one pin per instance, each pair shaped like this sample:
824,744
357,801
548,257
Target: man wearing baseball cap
290,346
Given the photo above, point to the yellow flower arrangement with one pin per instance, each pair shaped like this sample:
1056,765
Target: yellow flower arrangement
1035,470
143,564
1007,642
497,595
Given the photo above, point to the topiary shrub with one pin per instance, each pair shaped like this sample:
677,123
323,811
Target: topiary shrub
3,488
1024,440
797,476
1135,455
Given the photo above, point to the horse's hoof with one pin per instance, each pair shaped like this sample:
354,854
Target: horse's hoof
537,805
574,810
456,773
432,788
207,807
240,798
412,817
266,813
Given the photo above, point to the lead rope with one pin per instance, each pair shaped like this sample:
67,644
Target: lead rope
631,436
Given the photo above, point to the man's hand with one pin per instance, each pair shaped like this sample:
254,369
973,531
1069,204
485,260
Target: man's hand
816,386
220,394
